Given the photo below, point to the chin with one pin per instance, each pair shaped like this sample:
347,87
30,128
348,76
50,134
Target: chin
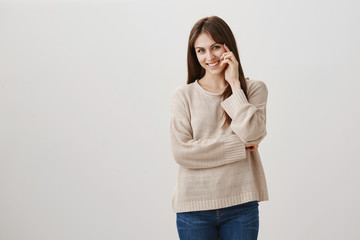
215,71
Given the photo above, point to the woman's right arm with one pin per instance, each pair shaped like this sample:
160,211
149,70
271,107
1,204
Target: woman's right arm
200,153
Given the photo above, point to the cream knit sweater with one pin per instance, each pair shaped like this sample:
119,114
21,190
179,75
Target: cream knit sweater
215,170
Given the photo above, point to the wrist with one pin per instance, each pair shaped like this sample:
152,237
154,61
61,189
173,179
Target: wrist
235,85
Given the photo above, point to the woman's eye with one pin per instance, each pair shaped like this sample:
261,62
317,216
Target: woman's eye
216,47
200,50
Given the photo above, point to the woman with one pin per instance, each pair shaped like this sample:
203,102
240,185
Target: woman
217,121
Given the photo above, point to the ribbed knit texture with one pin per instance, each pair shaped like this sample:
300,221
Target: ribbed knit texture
215,170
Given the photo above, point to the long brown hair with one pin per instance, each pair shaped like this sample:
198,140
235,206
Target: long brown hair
221,33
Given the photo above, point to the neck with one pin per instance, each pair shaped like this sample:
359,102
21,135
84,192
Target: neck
214,81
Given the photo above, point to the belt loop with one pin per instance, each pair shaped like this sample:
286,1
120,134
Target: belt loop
218,212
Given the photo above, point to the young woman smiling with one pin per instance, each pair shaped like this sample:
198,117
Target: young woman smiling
217,121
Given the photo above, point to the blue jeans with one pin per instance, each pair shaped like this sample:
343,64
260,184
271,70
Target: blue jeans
239,222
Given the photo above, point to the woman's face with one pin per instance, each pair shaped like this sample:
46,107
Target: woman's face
208,53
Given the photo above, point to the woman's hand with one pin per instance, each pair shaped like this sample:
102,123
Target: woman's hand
251,147
232,68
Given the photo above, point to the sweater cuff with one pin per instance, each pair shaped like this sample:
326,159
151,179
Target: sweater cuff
234,148
235,102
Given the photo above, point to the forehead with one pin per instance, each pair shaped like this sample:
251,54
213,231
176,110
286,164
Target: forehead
204,40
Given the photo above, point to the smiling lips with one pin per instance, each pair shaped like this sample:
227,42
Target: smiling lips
213,64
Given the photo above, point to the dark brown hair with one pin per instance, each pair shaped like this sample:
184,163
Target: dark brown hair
221,33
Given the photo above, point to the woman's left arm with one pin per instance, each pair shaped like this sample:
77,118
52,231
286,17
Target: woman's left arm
248,116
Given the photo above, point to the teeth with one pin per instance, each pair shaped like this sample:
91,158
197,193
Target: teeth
213,64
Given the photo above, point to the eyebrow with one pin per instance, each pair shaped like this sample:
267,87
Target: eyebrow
210,45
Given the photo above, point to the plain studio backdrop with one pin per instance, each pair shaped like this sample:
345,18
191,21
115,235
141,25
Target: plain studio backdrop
85,92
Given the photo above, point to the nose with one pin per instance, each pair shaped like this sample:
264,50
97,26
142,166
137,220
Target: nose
209,56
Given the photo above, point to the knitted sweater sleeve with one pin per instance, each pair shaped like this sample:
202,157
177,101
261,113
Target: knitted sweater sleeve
248,117
200,153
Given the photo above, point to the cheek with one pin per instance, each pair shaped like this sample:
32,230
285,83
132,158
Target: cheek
200,59
220,53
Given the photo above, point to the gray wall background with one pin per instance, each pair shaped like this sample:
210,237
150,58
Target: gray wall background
85,90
